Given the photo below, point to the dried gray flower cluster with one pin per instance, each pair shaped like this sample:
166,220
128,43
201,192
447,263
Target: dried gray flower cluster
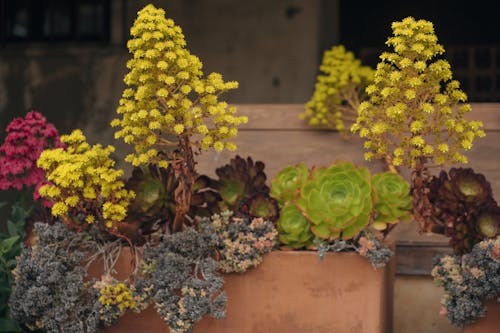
241,241
180,279
468,281
50,292
368,245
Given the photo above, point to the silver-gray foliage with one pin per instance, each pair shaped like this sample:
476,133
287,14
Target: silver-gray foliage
468,281
366,245
50,292
180,279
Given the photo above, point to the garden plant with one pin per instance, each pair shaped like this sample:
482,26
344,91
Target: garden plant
181,230
338,91
170,112
415,118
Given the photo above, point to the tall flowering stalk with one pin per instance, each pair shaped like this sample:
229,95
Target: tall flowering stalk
338,91
26,139
170,110
416,111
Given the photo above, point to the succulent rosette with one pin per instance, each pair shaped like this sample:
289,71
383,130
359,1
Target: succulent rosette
392,199
154,200
293,228
468,186
288,182
238,178
240,187
260,205
463,208
337,200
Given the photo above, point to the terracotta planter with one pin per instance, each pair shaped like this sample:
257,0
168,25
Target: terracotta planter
488,324
295,292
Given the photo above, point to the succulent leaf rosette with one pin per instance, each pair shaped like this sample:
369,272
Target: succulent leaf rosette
288,182
393,201
294,229
337,202
240,187
463,208
338,90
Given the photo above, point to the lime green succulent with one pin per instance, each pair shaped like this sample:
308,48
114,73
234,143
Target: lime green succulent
288,182
393,201
337,202
293,228
338,91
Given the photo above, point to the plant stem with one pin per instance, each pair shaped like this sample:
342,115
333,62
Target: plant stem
422,208
185,173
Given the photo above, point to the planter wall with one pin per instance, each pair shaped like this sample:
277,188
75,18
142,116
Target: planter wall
295,292
489,324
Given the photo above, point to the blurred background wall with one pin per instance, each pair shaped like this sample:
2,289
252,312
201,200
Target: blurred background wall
67,58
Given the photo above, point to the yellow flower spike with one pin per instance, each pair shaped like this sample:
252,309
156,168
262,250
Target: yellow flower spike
342,76
412,83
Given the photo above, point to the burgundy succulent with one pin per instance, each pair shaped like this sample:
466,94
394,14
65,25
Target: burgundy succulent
463,208
240,187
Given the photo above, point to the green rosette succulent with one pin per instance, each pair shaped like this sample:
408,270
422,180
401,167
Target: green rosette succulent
392,199
293,228
288,182
337,201
154,201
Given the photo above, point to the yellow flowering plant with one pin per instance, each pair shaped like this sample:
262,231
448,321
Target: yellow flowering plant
416,110
83,183
338,91
171,110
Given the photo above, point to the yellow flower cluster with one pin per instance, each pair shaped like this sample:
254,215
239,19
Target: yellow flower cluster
118,295
83,181
168,94
416,110
338,90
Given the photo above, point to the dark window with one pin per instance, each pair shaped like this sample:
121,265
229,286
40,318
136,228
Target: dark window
54,20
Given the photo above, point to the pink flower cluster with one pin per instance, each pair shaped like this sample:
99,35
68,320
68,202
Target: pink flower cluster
26,139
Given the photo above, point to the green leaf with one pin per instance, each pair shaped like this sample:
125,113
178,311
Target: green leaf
8,325
12,228
7,244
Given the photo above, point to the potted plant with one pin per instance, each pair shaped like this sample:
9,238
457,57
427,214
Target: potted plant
70,280
415,117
